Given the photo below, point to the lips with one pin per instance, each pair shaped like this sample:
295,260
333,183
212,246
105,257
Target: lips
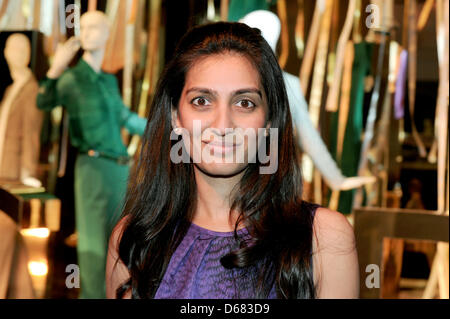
220,146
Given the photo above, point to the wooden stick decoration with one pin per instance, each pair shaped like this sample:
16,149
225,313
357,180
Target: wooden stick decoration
334,34
344,106
128,56
333,93
3,8
114,53
141,48
152,66
393,66
412,74
432,154
345,99
357,37
36,15
300,29
317,87
443,96
224,5
311,44
282,13
448,185
320,66
132,6
424,14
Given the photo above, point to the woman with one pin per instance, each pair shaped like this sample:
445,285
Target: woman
215,229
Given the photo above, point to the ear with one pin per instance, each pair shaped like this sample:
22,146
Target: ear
175,120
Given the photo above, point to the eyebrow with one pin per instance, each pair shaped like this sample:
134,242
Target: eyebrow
234,93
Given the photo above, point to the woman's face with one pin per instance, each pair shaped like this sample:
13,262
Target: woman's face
223,108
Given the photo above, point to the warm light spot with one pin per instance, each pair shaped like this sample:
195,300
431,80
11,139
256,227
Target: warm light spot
36,232
37,268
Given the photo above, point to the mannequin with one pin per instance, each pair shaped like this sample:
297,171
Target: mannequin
20,119
308,137
96,115
20,123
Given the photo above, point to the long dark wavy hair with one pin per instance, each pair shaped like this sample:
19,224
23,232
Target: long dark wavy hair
161,195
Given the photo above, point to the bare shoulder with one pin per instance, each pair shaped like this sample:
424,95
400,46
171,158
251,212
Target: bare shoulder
332,230
335,259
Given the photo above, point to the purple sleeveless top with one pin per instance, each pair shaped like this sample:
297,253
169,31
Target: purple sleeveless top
195,271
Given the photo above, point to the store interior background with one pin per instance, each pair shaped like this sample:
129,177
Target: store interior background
176,17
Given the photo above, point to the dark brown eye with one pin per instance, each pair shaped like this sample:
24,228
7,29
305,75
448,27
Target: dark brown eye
200,101
246,104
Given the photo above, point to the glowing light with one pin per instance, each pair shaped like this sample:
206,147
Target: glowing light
36,232
37,268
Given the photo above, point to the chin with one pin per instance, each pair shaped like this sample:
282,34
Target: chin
221,169
90,48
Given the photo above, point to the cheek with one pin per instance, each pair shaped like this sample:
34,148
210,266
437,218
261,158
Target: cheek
255,120
97,36
185,117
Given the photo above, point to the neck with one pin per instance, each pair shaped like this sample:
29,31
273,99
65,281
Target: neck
94,59
214,201
20,74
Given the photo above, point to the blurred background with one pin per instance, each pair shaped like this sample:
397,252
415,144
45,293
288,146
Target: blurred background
373,74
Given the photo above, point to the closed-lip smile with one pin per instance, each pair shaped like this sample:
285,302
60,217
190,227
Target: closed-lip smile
220,144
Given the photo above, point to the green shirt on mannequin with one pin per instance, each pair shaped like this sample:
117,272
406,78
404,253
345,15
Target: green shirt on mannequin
95,108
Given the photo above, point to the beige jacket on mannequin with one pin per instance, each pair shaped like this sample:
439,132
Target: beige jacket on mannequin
21,147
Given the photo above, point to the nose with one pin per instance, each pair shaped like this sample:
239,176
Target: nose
222,119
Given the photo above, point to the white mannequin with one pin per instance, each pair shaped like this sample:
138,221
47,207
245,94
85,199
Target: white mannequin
17,54
308,137
93,37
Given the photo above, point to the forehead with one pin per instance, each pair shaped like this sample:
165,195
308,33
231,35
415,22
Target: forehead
93,20
226,70
18,42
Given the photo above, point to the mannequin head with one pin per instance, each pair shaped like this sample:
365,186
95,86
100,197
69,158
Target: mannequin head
267,22
94,31
17,52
